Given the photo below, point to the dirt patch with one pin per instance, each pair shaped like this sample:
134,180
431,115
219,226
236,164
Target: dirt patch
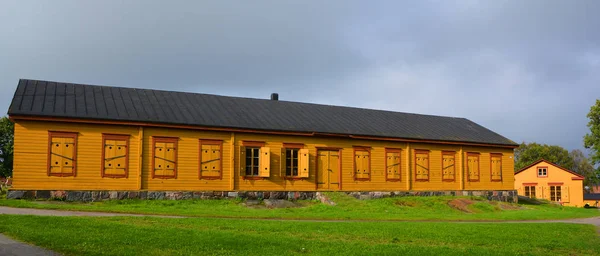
407,203
461,204
510,207
272,204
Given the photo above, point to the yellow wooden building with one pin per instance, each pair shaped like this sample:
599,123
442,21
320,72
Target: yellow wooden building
99,138
546,180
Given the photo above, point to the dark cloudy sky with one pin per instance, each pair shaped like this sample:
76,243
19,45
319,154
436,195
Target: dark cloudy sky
529,70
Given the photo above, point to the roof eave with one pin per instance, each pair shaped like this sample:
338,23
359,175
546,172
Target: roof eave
15,117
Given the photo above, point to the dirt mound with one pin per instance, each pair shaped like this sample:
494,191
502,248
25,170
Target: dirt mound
461,204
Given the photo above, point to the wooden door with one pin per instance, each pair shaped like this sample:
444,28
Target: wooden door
328,170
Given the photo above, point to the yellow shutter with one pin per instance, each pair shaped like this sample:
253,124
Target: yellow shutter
216,160
159,156
496,162
362,164
264,162
170,160
115,157
55,152
365,163
68,153
120,155
108,157
448,167
282,162
393,165
242,161
473,165
303,162
564,191
422,166
358,165
205,156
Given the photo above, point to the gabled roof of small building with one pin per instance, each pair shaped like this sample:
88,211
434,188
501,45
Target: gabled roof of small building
577,175
91,102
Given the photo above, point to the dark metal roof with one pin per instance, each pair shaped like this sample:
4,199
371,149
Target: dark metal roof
591,196
56,99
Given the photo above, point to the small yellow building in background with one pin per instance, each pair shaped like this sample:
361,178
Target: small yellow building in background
546,180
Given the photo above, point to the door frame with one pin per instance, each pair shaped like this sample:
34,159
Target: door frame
339,150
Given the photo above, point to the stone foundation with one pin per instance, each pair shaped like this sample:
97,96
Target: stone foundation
91,196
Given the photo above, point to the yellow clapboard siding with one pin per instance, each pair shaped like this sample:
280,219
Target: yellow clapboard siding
187,161
31,153
31,146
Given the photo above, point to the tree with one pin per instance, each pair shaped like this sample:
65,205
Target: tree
583,166
592,139
7,128
526,154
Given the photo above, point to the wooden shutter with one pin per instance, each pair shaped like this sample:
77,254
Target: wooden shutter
282,163
216,160
210,159
357,165
61,156
366,166
303,163
115,160
448,166
565,197
56,155
170,160
422,165
496,167
120,158
205,157
264,162
361,163
165,157
242,160
473,167
109,154
159,159
393,165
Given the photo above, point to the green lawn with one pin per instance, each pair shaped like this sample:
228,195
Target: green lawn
398,208
198,236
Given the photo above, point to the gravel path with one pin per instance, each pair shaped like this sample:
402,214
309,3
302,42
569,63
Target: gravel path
10,247
42,212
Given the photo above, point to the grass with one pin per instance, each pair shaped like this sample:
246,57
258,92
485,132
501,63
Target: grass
347,208
198,236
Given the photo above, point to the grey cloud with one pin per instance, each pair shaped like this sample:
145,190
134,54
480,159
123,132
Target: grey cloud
526,69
